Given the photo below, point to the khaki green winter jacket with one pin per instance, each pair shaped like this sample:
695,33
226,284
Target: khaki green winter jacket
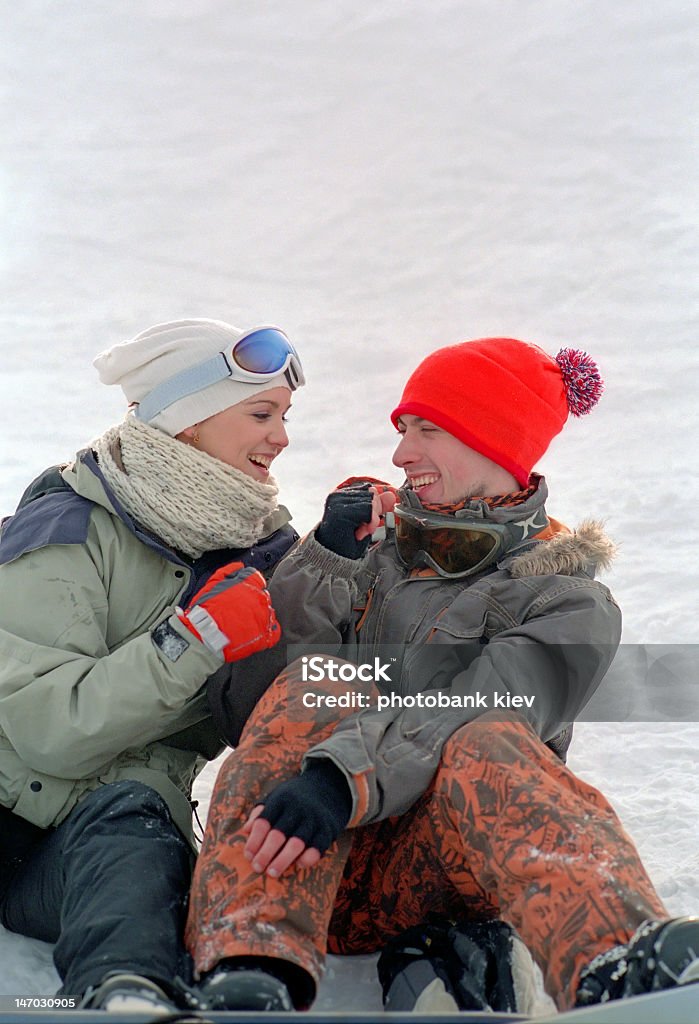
86,697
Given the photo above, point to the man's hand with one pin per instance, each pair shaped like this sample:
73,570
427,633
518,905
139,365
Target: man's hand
269,849
351,516
298,820
232,614
383,502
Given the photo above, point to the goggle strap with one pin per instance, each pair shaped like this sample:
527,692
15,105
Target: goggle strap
187,382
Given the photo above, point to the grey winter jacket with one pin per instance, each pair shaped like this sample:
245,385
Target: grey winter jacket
86,696
536,625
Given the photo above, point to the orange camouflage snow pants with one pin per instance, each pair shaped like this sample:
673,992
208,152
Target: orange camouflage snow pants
504,830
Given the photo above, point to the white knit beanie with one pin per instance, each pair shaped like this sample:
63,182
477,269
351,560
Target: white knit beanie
161,352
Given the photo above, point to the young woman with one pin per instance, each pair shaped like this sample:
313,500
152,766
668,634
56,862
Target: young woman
128,578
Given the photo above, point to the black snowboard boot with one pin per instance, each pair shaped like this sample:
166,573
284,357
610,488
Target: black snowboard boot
248,983
128,993
445,966
661,954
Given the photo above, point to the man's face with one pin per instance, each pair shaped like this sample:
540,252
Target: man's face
440,468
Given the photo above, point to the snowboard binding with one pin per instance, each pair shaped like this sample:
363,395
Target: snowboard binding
444,966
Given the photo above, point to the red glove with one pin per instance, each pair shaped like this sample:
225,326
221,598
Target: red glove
232,614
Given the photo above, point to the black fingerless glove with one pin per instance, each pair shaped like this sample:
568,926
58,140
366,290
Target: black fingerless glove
315,805
345,510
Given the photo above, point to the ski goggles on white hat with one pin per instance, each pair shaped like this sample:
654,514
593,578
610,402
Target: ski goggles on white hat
257,357
455,545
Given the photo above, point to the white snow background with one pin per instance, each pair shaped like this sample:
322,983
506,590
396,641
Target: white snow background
380,180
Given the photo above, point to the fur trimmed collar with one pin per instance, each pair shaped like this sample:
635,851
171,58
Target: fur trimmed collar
587,548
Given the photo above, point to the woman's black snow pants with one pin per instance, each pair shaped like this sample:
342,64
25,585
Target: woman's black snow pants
108,886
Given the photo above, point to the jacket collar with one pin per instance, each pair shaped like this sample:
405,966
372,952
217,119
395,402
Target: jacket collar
587,549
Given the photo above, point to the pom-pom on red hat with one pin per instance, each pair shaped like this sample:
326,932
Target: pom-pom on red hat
504,398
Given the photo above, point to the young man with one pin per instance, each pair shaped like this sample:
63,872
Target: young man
444,790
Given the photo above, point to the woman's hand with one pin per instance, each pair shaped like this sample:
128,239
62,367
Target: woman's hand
233,614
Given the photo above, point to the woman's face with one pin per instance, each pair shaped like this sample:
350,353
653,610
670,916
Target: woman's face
247,436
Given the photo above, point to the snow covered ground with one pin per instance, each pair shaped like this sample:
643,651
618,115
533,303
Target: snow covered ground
379,179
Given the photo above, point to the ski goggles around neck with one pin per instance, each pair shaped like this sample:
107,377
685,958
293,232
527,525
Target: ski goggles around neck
454,545
259,356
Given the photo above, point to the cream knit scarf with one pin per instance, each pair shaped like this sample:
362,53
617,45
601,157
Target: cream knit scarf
193,502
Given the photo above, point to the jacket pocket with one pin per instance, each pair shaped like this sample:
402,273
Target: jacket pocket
467,621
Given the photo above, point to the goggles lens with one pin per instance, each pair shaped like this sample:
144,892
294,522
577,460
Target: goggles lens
454,550
257,356
264,351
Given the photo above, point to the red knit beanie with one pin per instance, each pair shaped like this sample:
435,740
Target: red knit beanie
504,398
